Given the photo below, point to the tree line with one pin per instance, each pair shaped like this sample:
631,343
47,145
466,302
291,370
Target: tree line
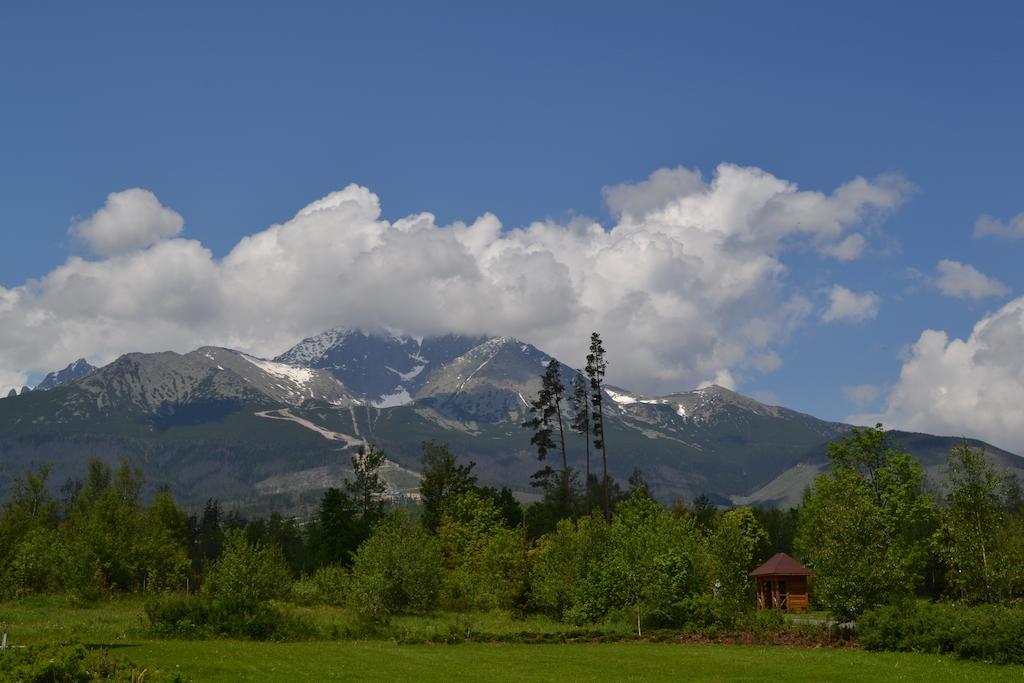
870,529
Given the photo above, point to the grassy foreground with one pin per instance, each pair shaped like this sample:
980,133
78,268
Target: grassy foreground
350,661
120,625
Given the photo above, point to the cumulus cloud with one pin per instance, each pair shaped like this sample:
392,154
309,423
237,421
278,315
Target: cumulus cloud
130,220
970,387
11,380
963,281
660,188
689,285
723,378
848,250
1012,229
861,394
849,306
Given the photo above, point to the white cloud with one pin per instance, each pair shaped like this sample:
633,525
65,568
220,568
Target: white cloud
130,220
849,249
723,378
862,394
690,284
661,188
962,281
11,380
1012,229
970,387
848,306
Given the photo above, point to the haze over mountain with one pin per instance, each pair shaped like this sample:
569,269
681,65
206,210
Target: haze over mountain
218,422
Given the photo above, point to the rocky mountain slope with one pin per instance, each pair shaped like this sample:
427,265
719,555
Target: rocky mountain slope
77,370
218,422
786,490
385,370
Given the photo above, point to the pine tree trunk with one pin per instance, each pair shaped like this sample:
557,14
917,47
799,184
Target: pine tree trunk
586,486
565,457
604,459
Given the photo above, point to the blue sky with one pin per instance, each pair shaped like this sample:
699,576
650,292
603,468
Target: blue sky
237,115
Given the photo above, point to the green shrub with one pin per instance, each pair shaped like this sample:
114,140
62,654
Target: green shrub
81,574
333,583
36,562
694,612
247,573
305,592
175,615
990,633
328,586
397,569
71,663
763,620
192,616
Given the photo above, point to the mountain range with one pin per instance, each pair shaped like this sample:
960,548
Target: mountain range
217,422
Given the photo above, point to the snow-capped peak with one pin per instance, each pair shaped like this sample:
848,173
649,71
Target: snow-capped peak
292,373
313,348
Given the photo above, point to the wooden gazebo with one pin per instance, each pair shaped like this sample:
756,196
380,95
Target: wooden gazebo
782,584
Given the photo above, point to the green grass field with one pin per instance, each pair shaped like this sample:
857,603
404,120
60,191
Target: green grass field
121,625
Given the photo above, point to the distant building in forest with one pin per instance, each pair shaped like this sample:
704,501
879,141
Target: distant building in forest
782,584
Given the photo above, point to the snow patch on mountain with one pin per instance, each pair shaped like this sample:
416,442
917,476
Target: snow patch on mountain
406,376
481,367
313,348
292,373
620,397
399,398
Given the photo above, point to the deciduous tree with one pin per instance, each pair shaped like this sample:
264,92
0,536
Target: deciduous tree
973,531
865,525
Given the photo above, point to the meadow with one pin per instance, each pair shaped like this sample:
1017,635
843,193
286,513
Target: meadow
121,626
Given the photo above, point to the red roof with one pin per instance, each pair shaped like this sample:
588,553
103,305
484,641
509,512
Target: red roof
781,564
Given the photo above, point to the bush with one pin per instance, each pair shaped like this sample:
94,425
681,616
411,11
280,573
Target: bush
247,573
72,664
694,612
36,562
989,633
82,574
328,586
493,573
191,616
397,569
332,583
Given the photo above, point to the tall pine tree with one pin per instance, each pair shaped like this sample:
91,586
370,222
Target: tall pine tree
581,420
546,410
367,486
596,368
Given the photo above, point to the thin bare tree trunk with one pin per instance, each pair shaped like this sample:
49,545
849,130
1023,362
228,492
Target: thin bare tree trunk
565,457
586,486
604,459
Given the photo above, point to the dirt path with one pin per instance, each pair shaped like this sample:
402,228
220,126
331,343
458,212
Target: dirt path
285,414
